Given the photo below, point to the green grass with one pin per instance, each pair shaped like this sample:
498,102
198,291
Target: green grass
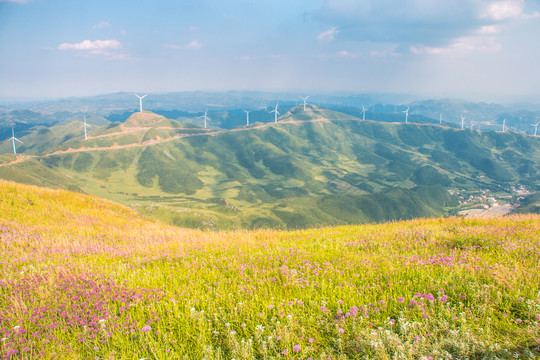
82,277
327,162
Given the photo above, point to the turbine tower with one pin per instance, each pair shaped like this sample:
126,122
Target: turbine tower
440,118
86,125
363,113
462,121
535,128
13,138
205,117
140,101
406,115
247,116
276,113
504,125
304,100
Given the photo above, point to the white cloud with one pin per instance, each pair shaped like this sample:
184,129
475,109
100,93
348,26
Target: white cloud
488,30
503,10
91,45
461,45
194,45
328,35
345,54
102,25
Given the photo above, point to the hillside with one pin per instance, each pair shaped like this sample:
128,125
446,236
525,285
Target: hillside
81,277
313,168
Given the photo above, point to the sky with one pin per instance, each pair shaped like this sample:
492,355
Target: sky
478,49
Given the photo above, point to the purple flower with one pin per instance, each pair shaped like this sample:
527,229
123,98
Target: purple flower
341,331
400,299
146,328
311,340
297,348
443,299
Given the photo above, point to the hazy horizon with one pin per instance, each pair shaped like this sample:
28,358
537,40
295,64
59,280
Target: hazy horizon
478,50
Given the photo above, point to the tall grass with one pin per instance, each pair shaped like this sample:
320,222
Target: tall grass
83,278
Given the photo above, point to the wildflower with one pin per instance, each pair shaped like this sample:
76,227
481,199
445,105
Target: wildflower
270,307
519,321
341,331
400,299
443,299
96,348
146,328
311,340
297,348
285,352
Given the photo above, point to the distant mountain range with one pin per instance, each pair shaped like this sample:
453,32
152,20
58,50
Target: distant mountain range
227,109
313,168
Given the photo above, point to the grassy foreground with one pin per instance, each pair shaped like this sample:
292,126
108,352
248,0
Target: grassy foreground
83,278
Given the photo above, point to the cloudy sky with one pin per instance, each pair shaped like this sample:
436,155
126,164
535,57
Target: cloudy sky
477,49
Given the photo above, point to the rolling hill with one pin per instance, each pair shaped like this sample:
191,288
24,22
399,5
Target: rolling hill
85,278
313,168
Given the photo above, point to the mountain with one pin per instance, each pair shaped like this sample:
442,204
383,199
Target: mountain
313,168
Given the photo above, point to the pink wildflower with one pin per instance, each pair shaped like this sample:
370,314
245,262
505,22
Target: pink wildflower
146,328
297,348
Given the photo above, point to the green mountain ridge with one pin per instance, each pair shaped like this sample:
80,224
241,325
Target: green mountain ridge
313,168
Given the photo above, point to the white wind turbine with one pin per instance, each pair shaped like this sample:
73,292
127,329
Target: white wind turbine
363,112
535,128
304,100
206,118
440,118
247,116
86,125
462,121
407,115
504,125
13,138
276,113
140,101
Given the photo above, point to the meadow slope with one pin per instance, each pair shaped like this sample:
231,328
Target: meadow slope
84,278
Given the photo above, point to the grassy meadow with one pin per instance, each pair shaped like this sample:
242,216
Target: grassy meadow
84,278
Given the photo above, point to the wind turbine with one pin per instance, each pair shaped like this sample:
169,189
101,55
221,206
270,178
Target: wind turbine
205,117
363,113
247,116
140,101
504,125
13,138
86,125
276,113
407,115
304,101
462,121
535,128
440,118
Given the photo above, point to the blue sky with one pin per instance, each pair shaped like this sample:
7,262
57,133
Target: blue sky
478,49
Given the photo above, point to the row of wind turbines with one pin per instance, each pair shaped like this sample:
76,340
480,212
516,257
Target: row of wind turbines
276,113
304,99
206,118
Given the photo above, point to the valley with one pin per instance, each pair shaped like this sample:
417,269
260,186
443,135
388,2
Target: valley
312,168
